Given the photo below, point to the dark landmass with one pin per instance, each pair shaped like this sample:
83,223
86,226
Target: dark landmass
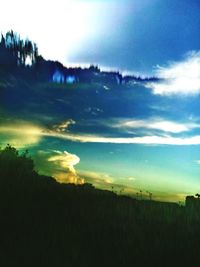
44,223
20,57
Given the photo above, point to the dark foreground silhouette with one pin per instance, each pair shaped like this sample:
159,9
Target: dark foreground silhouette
44,223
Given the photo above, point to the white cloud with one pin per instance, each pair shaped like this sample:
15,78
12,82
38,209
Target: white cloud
154,123
146,140
169,126
63,167
58,164
179,77
28,134
65,160
131,178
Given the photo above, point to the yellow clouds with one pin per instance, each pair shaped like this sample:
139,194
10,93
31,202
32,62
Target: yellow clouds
23,134
63,126
54,163
59,165
20,134
97,178
64,170
65,160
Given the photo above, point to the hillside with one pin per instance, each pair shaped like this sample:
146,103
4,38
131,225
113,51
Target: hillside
44,223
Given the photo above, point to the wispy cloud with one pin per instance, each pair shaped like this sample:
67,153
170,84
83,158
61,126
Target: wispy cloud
145,140
30,134
131,178
179,77
197,161
97,178
153,123
63,126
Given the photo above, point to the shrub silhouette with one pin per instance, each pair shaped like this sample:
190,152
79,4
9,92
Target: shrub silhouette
11,160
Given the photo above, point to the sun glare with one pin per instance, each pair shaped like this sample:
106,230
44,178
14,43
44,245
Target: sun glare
62,24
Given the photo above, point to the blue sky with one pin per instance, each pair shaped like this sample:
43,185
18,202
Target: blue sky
143,137
129,35
146,33
132,138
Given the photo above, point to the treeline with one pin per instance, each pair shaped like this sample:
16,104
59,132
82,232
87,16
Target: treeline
15,51
44,223
21,58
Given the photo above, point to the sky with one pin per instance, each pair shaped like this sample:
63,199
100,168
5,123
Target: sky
142,137
129,35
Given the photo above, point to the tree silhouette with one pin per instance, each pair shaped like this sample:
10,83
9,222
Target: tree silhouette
19,165
18,49
141,194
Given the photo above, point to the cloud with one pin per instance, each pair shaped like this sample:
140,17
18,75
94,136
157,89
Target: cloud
59,165
97,178
131,178
145,140
64,160
105,181
154,123
20,134
28,134
63,126
179,77
54,163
